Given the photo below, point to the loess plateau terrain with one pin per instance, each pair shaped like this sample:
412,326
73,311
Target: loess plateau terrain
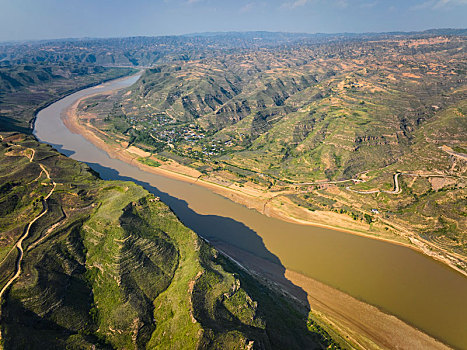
361,132
370,128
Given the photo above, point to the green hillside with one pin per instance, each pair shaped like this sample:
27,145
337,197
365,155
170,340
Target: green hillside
25,88
371,126
107,265
309,113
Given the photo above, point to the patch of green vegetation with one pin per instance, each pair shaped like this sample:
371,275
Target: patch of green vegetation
459,149
368,218
149,161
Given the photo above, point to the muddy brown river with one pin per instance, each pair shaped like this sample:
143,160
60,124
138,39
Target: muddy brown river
398,280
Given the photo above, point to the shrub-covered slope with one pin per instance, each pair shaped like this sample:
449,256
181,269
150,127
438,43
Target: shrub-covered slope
24,88
107,265
300,113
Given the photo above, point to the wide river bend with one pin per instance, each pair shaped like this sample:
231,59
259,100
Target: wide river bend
403,282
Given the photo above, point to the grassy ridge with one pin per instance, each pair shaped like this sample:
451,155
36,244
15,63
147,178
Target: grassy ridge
110,266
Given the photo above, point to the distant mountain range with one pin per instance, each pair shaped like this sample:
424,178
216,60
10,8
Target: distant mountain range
148,51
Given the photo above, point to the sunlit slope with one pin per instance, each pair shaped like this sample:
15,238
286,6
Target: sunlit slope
110,266
325,112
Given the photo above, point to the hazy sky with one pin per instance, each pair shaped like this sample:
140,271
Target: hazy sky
43,19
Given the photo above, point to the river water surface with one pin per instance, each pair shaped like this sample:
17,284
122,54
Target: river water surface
398,280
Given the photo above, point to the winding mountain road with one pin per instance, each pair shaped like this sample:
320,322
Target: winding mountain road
19,244
397,189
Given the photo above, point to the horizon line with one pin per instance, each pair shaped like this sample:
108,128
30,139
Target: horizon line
216,33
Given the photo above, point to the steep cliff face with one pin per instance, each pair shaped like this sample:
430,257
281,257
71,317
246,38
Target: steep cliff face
107,265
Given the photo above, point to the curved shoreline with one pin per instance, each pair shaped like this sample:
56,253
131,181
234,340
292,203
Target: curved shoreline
71,92
388,321
73,123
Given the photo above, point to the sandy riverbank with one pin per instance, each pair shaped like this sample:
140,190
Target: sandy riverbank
365,324
253,198
362,323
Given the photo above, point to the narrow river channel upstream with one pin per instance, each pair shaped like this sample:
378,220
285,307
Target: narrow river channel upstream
396,279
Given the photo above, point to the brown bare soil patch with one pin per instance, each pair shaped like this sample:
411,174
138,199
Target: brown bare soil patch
438,183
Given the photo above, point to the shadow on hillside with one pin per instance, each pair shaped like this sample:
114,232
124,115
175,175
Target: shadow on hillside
230,236
62,150
8,124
